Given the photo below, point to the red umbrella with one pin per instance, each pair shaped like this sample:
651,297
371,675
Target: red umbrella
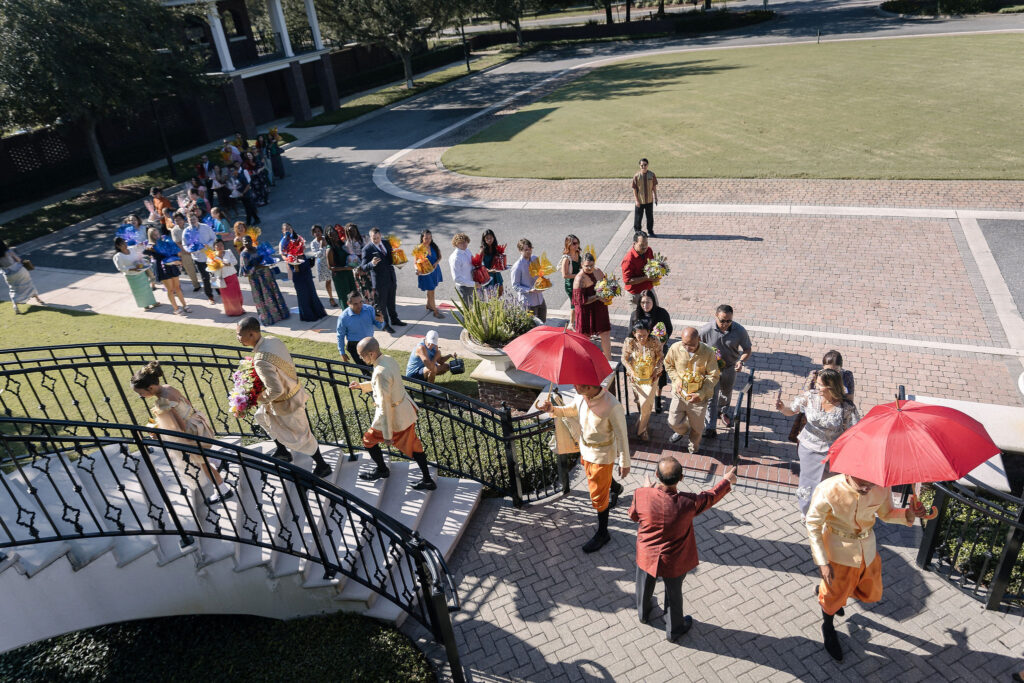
907,442
559,356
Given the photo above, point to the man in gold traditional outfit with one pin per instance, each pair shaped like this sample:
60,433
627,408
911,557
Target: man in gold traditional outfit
693,370
282,409
603,443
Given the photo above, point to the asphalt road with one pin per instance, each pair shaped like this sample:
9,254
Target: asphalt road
330,179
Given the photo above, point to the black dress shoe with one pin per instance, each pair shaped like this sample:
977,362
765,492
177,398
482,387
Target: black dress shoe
218,498
831,639
710,434
322,470
597,542
389,329
376,473
353,457
399,323
687,624
675,438
424,485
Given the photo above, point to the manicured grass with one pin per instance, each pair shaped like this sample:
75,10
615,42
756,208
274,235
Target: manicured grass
70,211
942,108
382,98
42,326
223,648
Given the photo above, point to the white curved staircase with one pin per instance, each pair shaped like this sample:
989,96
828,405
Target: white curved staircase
52,588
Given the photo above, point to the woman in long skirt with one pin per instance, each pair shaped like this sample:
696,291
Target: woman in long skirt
319,247
225,281
175,413
17,278
342,267
270,305
310,308
641,356
134,267
354,246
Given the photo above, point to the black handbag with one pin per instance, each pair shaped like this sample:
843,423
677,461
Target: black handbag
456,366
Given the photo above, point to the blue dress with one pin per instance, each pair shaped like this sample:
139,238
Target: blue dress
310,308
428,283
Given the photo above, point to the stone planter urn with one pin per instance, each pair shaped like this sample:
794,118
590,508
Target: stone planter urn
498,379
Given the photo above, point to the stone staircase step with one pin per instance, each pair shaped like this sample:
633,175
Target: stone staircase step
17,505
344,476
404,505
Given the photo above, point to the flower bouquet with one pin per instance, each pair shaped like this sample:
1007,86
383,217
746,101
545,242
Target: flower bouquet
500,261
643,367
607,289
213,261
129,234
718,358
421,257
659,332
168,250
589,249
253,232
398,256
656,268
540,268
295,251
190,239
246,388
480,274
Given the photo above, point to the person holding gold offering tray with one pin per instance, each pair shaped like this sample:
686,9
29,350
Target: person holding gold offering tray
693,370
526,284
641,355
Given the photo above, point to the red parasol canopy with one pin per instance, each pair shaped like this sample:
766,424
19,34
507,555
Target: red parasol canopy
907,442
559,356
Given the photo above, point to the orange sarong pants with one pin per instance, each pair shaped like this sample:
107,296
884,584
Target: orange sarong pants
862,583
599,482
406,440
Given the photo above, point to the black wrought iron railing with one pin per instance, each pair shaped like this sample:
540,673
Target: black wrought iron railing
65,481
975,542
509,454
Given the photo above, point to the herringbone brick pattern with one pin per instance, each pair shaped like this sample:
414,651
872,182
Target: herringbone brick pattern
536,608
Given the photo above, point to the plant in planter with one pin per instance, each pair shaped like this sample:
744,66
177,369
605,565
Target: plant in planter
493,320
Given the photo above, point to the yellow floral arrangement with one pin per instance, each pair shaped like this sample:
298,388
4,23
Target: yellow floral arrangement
692,380
421,257
540,268
398,256
213,261
254,233
643,366
589,249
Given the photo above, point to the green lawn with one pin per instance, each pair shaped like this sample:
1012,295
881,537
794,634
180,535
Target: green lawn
55,326
944,108
223,648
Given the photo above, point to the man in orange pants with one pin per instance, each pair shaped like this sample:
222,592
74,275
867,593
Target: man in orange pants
840,523
604,442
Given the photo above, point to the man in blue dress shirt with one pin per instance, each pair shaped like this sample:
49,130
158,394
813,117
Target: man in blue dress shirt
355,323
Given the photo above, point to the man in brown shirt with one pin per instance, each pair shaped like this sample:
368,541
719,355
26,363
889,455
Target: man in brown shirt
665,543
645,196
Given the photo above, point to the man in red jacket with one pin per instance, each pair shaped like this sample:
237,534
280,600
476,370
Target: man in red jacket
665,544
633,278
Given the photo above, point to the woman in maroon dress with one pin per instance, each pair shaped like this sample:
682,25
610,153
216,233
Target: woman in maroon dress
590,314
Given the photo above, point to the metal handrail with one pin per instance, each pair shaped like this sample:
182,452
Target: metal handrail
464,436
167,504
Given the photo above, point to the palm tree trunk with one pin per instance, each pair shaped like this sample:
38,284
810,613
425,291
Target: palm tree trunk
608,12
407,67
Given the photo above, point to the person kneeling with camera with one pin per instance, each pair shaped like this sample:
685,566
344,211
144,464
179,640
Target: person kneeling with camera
426,361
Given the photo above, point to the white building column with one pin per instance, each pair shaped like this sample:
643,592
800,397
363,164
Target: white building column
314,25
220,41
278,24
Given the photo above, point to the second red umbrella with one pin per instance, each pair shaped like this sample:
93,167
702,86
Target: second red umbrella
907,442
559,356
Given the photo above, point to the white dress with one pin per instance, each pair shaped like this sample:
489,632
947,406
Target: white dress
323,268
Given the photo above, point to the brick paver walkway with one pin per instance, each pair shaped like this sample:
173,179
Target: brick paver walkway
536,608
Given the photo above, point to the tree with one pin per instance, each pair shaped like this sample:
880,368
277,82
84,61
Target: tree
78,62
399,25
509,12
608,12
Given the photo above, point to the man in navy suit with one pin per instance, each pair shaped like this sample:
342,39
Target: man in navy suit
377,259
